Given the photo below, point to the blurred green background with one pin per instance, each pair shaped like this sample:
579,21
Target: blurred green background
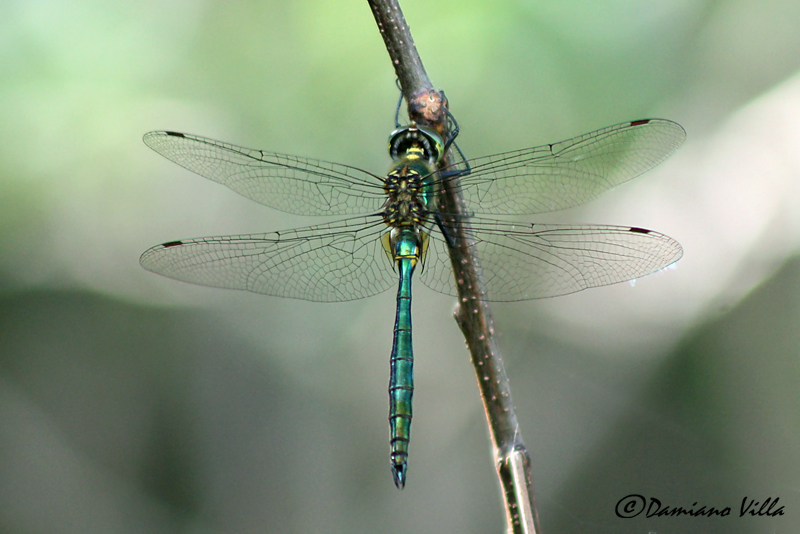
132,403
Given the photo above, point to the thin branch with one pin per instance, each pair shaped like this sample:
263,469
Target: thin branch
400,45
426,106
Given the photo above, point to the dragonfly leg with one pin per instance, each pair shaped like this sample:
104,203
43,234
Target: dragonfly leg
448,236
453,131
452,126
399,104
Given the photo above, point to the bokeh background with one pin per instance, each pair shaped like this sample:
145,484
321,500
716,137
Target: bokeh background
131,403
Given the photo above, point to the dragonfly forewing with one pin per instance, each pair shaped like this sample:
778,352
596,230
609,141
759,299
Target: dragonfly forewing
562,175
287,183
333,262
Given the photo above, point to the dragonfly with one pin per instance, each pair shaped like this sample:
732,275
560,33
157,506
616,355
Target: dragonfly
394,227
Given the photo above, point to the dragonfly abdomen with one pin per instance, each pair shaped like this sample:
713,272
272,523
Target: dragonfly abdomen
401,378
406,247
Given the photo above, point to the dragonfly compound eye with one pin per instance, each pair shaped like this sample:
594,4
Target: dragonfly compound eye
412,136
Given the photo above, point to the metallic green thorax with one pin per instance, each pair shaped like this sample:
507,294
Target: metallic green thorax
408,205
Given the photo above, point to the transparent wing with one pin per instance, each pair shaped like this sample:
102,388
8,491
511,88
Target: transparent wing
287,183
562,175
332,262
521,261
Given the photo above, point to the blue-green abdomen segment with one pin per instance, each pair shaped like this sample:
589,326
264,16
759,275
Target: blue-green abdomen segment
401,381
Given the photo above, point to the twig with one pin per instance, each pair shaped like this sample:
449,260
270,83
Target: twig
426,107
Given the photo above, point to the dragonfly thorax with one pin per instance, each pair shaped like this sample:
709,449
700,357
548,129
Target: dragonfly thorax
408,191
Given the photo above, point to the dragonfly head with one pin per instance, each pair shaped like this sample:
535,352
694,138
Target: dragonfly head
413,139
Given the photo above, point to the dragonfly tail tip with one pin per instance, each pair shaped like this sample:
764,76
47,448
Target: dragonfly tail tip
399,473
